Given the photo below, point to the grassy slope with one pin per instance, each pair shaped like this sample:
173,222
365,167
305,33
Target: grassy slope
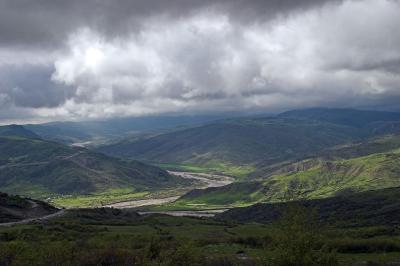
319,180
379,144
342,176
40,168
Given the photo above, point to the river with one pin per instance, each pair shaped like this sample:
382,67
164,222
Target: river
206,181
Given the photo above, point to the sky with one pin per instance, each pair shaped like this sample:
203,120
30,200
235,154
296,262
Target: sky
96,59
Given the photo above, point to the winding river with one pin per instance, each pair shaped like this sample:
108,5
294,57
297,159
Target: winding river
206,181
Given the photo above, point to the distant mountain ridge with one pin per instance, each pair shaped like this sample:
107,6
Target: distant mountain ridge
267,140
348,117
71,132
17,131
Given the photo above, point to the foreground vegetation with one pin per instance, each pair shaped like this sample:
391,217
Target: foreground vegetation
115,237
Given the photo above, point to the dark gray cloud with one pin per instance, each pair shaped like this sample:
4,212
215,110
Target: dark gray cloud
47,23
30,86
98,58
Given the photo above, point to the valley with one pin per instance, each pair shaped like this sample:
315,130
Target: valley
200,133
227,190
203,181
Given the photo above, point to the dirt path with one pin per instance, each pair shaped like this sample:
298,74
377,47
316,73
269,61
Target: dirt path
207,180
43,218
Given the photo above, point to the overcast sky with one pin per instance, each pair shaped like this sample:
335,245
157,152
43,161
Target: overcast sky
68,60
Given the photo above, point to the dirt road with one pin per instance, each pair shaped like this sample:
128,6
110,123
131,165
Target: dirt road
43,218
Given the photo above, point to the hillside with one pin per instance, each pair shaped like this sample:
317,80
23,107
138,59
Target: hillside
15,208
257,142
370,146
361,209
314,178
39,168
237,142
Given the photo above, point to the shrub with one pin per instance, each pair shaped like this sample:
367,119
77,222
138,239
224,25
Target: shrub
298,241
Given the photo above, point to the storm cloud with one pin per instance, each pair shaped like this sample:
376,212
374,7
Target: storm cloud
94,59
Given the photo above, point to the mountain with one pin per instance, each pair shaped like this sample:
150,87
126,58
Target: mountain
256,142
15,208
73,132
377,207
40,168
237,142
348,117
17,131
311,178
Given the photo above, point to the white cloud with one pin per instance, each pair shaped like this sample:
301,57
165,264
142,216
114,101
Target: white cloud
345,55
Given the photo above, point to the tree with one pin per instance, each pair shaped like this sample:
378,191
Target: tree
299,240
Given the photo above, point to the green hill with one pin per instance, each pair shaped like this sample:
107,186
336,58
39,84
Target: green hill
237,142
309,179
39,168
379,144
256,141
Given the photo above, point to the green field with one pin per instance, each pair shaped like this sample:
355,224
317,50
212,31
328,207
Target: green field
212,168
99,199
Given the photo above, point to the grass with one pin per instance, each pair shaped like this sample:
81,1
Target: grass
370,172
99,199
213,167
184,168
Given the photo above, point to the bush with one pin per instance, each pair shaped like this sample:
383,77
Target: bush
298,241
365,245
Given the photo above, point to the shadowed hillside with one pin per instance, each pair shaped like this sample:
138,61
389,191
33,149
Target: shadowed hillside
361,209
16,131
15,208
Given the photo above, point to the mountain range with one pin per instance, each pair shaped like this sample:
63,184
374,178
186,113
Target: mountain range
254,142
